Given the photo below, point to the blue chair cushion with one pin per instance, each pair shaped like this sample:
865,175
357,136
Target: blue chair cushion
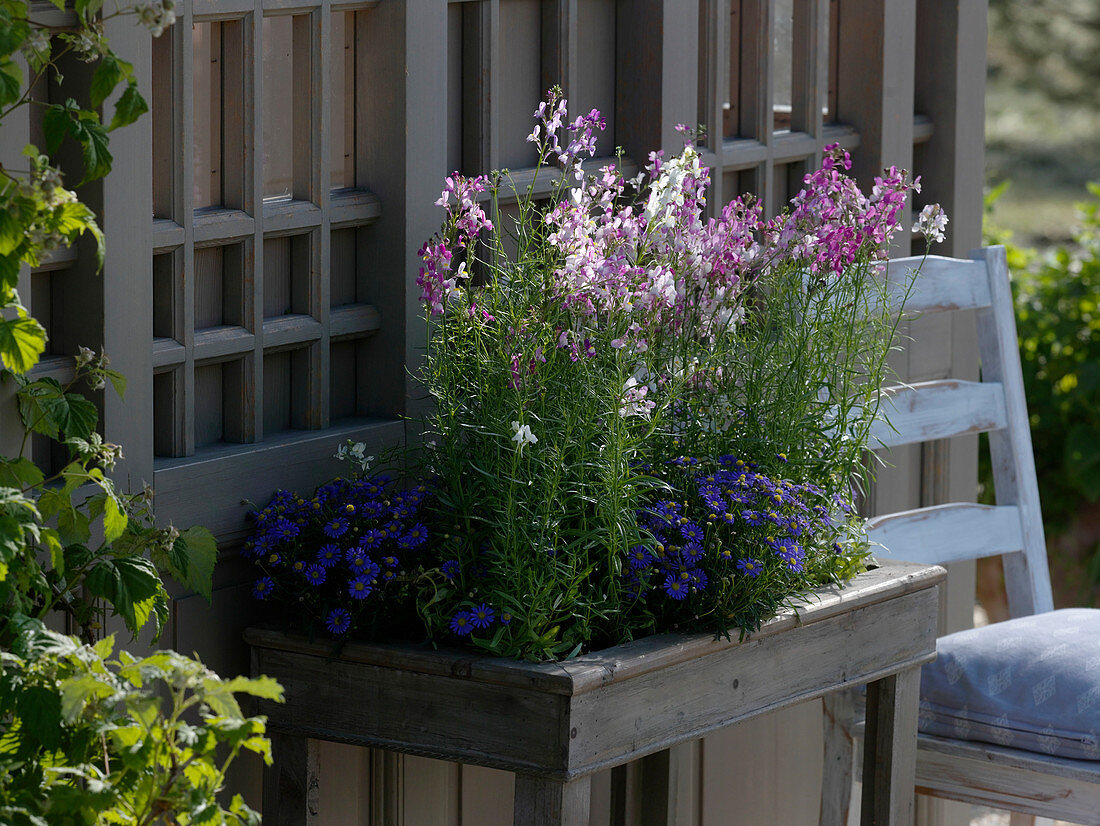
1031,683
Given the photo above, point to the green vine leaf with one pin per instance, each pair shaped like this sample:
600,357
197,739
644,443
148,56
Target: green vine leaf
129,584
107,75
11,81
130,106
22,342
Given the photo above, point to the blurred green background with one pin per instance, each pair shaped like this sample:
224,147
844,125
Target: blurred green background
1042,152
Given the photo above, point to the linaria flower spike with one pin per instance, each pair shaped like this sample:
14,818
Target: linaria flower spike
523,436
931,223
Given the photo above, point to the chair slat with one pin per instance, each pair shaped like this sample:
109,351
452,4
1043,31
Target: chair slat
944,284
939,409
949,533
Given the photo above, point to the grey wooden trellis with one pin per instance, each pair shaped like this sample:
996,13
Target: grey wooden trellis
258,334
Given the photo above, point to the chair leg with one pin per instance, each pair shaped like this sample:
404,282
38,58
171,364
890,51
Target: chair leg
836,783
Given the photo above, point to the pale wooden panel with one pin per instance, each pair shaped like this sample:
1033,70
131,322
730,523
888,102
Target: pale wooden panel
520,27
743,790
595,74
343,773
487,796
940,409
429,793
949,533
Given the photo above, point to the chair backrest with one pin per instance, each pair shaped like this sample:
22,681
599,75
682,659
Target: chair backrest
942,409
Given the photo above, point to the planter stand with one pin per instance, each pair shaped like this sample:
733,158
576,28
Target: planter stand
554,724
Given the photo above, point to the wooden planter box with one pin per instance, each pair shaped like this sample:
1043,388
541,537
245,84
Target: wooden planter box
554,724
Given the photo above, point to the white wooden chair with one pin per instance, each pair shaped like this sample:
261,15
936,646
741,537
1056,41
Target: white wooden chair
989,756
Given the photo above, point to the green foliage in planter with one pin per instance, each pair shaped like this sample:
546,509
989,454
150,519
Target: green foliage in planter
584,356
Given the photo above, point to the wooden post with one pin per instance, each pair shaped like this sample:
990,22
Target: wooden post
542,802
889,750
291,783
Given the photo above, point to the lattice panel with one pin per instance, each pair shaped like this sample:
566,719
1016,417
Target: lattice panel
260,201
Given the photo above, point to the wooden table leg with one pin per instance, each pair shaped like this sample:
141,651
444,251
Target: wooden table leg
890,750
543,802
290,782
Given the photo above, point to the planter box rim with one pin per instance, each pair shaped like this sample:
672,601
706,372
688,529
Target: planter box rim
887,580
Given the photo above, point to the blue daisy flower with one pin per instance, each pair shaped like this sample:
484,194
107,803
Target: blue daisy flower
360,588
263,587
338,621
482,616
462,623
315,574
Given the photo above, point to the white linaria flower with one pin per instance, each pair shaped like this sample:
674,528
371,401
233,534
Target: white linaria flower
931,223
523,436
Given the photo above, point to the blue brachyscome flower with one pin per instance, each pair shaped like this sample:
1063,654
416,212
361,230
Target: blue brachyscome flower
462,623
338,621
263,587
482,616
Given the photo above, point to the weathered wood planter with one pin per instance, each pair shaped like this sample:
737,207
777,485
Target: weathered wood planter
554,724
